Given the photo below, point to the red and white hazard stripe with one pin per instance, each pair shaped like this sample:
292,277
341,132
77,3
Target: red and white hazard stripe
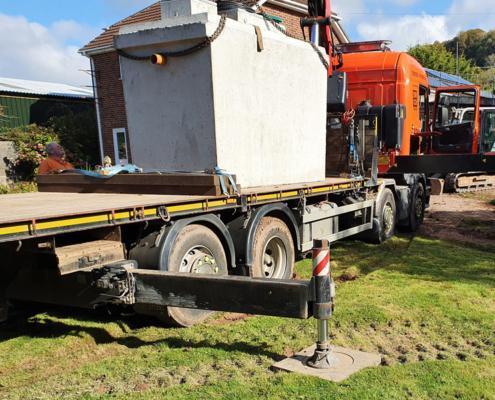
321,262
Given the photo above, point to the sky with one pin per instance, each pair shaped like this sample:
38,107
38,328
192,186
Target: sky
39,39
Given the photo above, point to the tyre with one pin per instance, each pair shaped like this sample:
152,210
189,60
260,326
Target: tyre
417,208
385,220
273,250
196,250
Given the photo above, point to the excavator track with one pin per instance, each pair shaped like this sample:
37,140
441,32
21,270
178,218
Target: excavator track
469,182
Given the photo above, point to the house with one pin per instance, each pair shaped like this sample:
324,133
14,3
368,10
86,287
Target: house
112,119
24,102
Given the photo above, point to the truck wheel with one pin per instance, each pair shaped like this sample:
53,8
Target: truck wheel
417,209
273,250
385,220
196,250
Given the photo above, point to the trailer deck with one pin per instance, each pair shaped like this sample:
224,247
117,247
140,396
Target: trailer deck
29,215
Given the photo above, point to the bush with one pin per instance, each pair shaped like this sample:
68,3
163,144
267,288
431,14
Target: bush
78,133
20,187
29,142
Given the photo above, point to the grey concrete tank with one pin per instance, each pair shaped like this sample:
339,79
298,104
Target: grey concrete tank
260,115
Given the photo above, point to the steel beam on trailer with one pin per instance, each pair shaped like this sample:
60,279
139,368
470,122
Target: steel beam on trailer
282,298
275,297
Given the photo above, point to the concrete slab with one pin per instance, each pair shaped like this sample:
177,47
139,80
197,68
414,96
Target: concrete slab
348,362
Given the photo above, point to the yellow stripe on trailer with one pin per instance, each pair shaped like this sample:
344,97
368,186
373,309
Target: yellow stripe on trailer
33,228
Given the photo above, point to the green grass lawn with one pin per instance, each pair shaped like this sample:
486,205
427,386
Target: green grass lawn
427,306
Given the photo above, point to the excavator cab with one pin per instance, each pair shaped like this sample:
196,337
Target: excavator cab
488,130
453,134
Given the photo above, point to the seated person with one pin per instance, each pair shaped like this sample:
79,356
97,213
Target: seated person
55,162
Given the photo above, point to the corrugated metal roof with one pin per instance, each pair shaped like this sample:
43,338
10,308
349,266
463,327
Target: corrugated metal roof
437,79
43,88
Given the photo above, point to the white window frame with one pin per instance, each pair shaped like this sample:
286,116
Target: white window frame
116,132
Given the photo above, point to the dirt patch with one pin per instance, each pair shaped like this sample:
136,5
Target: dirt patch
229,318
461,218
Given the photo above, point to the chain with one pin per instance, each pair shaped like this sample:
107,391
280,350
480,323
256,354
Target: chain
210,39
184,52
320,56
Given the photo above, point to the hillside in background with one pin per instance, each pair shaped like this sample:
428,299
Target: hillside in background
476,56
476,45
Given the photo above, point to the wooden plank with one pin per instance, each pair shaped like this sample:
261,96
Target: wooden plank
91,254
144,183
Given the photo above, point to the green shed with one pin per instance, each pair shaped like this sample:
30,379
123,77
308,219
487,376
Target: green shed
24,102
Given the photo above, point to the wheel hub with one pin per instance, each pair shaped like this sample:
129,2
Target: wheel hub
199,260
274,258
418,206
388,217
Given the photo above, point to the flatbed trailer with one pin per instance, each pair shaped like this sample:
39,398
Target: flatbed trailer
63,248
31,215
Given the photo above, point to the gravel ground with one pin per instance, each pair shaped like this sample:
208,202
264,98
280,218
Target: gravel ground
466,218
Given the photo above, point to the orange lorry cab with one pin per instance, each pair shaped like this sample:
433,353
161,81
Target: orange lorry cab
388,77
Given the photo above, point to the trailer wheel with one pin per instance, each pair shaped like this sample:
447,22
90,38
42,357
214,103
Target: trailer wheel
196,250
386,218
273,250
417,209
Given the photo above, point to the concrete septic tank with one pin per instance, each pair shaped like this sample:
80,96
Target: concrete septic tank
258,114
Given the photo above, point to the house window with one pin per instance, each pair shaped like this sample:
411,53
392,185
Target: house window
120,146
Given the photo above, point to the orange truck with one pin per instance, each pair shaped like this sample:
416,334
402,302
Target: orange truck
428,138
379,106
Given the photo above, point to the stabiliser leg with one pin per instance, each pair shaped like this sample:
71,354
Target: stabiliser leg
323,306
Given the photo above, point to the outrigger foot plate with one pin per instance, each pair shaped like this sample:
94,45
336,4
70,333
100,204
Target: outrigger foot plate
343,363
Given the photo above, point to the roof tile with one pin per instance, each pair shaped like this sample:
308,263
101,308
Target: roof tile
150,13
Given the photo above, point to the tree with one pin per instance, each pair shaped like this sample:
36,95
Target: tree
78,133
436,56
470,45
486,78
475,44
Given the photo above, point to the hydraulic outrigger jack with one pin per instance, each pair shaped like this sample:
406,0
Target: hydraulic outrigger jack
322,360
323,357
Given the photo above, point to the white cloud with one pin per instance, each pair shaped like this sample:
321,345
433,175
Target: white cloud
348,8
406,31
469,14
364,21
30,50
